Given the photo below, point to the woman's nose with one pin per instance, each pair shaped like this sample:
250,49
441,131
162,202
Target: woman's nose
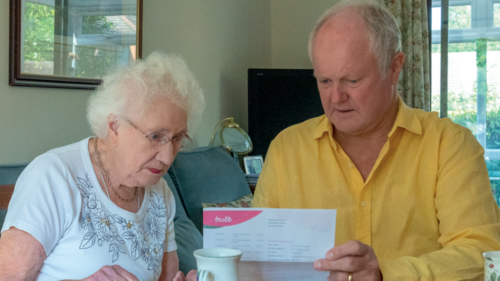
166,154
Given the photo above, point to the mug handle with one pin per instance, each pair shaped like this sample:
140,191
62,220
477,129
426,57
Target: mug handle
204,275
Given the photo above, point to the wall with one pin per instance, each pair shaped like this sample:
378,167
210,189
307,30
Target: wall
34,120
291,23
220,40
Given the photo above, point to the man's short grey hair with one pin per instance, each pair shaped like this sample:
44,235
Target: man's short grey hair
129,91
383,30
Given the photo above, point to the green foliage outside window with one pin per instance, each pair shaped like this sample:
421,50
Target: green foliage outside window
493,45
91,61
459,17
96,25
38,32
496,14
91,65
462,107
456,47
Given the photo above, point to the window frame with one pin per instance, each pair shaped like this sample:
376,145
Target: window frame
482,21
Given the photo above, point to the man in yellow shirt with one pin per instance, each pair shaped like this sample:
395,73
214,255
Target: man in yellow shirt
411,190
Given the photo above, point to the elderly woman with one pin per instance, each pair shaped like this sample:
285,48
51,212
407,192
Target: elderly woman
99,209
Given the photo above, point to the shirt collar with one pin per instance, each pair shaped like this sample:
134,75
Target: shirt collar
325,128
406,119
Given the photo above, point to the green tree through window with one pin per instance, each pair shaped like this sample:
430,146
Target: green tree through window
84,61
38,32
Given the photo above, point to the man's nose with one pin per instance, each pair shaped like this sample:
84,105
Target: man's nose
338,93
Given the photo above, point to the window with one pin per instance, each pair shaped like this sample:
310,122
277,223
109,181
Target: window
468,90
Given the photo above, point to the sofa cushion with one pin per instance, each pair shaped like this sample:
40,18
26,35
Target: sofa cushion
187,237
207,174
10,173
179,208
5,195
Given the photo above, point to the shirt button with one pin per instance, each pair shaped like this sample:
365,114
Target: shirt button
363,203
350,165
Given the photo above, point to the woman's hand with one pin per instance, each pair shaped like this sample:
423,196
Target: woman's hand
113,273
190,277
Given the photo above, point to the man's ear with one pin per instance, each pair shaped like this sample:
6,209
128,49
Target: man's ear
396,67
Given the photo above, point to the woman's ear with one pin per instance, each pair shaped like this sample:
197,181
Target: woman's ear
113,126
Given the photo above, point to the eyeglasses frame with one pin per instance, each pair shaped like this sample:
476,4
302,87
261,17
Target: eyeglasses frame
164,140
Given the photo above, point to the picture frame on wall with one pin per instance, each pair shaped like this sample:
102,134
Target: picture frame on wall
253,164
71,43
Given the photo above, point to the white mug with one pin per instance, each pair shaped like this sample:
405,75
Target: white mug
492,266
217,264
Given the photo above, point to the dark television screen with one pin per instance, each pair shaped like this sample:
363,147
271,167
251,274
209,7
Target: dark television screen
277,99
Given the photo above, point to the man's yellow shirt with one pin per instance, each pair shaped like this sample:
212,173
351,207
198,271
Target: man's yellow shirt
426,208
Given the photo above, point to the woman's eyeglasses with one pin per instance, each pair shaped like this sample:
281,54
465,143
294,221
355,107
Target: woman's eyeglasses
159,139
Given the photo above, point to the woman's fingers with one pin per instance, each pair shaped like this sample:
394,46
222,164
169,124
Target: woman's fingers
179,276
112,273
191,276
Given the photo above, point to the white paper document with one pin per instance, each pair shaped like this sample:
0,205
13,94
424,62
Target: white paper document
276,243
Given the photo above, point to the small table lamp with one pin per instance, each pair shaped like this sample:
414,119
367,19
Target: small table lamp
232,138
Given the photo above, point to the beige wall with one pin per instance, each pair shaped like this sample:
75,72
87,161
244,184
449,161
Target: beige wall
34,120
220,40
291,23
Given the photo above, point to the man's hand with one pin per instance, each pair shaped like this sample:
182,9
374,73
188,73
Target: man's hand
190,277
352,257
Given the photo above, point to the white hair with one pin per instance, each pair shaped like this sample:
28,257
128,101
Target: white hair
133,88
383,30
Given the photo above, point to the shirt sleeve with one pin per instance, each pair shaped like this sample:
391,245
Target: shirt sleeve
170,244
468,218
268,185
41,204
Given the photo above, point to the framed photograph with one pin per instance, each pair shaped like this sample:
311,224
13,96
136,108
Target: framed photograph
253,164
71,43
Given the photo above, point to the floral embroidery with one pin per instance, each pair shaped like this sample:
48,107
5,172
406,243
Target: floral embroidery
147,237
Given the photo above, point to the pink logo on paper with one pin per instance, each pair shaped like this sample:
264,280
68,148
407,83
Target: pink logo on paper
227,218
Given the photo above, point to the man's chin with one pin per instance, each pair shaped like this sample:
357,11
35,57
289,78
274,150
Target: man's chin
346,128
